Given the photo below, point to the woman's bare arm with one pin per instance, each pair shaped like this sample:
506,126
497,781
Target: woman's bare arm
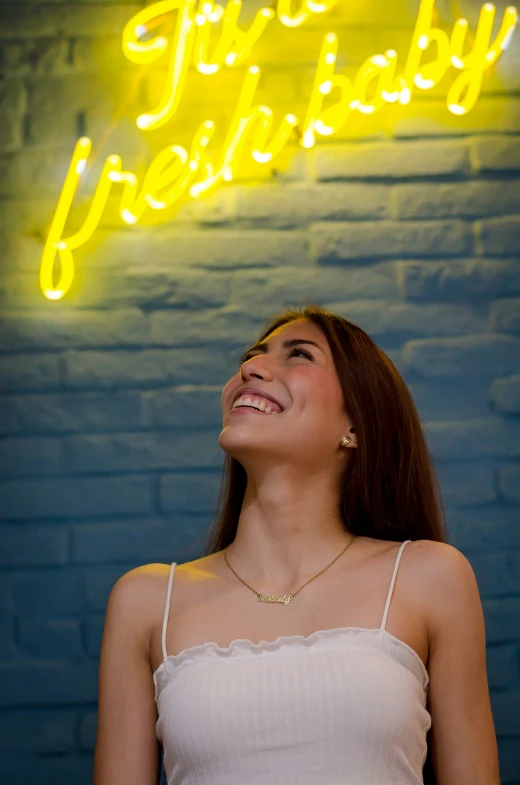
464,748
127,751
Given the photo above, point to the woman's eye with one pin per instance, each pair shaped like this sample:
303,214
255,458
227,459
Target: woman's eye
291,353
301,351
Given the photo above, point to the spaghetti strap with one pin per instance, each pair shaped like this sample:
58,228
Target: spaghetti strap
167,609
392,582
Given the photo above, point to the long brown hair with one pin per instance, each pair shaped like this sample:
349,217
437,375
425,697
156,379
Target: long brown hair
389,488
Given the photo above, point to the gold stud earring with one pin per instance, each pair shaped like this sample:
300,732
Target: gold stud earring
345,440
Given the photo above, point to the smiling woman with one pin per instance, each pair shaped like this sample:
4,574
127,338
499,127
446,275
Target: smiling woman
336,672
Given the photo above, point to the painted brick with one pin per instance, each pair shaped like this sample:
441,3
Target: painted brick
501,619
506,708
467,485
38,731
33,545
143,451
484,529
300,205
72,412
77,496
456,200
469,280
29,456
47,683
206,249
217,209
509,760
187,492
11,131
45,56
93,625
497,573
45,170
22,331
13,96
480,278
383,239
87,731
509,483
19,219
13,104
472,354
390,160
10,56
174,327
441,400
499,236
505,395
387,319
56,102
47,770
109,370
8,648
432,118
56,639
96,54
47,592
464,440
496,153
504,315
144,540
186,406
264,291
32,20
503,666
6,597
153,287
29,372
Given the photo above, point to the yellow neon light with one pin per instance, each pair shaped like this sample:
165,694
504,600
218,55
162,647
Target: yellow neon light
244,41
175,172
200,54
244,119
328,121
483,55
289,19
294,19
431,74
179,60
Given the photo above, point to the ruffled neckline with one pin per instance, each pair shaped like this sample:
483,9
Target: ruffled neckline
241,647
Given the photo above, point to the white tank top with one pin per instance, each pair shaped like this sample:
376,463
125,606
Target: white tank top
346,706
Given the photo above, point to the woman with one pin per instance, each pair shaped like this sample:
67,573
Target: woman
352,676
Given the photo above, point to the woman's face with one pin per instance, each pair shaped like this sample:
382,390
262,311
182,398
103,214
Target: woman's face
302,379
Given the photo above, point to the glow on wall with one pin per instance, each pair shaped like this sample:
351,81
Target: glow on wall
176,171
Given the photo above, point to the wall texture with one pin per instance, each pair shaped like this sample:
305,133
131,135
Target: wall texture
407,222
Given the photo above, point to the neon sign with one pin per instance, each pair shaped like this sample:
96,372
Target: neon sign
176,171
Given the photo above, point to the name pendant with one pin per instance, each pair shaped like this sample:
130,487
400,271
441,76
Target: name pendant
271,598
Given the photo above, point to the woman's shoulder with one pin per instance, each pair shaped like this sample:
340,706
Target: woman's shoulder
139,596
436,556
142,585
438,575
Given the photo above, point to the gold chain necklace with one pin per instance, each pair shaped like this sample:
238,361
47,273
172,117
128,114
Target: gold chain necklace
286,598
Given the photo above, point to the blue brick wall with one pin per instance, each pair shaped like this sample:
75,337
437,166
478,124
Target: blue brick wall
110,399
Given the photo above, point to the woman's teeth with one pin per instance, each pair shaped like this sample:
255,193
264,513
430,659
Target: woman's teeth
255,403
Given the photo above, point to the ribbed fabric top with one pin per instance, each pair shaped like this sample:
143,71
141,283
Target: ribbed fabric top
346,705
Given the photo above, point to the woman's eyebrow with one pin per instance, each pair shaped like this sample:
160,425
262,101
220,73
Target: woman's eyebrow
263,347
